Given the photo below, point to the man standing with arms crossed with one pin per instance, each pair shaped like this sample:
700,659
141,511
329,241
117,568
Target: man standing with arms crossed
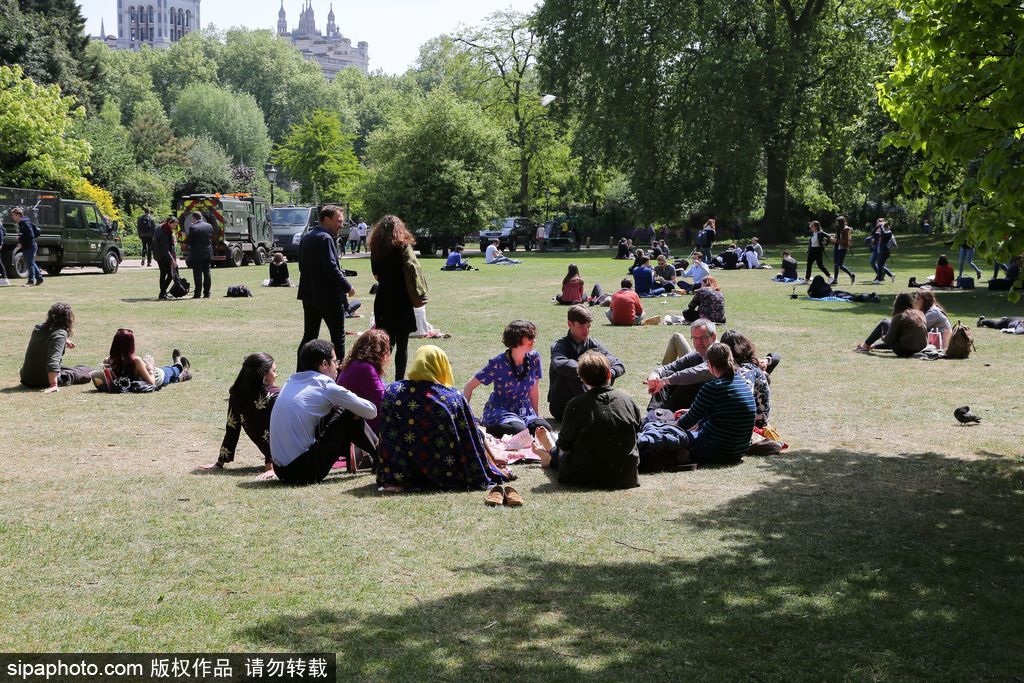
200,253
323,289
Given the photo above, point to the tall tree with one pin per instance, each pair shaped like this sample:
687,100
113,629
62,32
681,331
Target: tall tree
231,119
318,154
440,166
957,93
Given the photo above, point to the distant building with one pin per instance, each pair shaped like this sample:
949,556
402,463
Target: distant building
157,23
331,50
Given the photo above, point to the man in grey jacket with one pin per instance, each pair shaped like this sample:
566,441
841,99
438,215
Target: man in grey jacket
200,253
675,385
565,354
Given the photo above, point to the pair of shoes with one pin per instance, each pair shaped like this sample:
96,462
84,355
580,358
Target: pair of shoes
161,297
4,282
653,320
853,278
178,359
206,296
185,376
503,495
860,348
143,264
29,284
195,296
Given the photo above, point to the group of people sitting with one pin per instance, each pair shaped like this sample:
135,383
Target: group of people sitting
906,332
123,371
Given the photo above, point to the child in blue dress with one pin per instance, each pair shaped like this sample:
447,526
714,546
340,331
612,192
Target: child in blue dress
515,374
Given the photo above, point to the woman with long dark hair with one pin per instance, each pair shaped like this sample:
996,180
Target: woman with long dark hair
42,368
905,333
748,367
400,285
124,363
250,401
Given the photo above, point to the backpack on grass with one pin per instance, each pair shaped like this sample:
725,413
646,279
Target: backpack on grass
961,342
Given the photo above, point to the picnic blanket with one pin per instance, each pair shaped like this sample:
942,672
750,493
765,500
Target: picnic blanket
828,298
789,281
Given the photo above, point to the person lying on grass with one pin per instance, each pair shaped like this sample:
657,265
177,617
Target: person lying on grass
597,442
428,437
250,402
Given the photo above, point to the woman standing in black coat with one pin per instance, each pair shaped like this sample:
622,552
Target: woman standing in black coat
400,285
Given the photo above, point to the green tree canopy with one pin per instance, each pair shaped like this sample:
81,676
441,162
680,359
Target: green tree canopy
192,60
318,154
439,166
231,119
37,147
957,93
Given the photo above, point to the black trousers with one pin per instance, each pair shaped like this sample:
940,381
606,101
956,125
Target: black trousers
516,426
166,276
312,315
201,275
147,249
814,255
336,433
674,397
399,353
999,323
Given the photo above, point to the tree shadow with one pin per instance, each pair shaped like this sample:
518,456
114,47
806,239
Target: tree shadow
18,389
844,566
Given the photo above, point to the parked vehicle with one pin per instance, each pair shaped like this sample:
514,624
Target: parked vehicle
290,223
241,226
73,233
562,233
510,233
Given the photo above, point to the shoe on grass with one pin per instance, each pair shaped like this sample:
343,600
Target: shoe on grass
495,496
512,498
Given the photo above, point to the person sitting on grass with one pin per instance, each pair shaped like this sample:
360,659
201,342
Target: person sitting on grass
935,317
42,367
904,334
250,402
572,289
638,258
645,284
494,256
565,382
943,276
748,367
675,384
429,438
362,373
279,276
698,270
625,308
514,402
708,302
789,269
596,445
456,261
1012,275
315,420
728,259
622,253
665,275
125,365
722,415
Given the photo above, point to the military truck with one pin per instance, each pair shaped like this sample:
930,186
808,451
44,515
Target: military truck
242,231
73,233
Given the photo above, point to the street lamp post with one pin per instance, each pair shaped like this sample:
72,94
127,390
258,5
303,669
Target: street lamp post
271,172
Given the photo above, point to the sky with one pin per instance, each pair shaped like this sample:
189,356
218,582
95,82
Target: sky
395,29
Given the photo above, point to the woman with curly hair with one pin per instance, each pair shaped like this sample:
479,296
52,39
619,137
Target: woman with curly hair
42,368
748,367
708,302
362,371
250,401
400,285
515,374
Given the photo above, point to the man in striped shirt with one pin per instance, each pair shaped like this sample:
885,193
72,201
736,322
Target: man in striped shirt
723,412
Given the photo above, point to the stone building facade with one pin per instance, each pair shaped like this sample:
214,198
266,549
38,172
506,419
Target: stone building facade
330,50
157,23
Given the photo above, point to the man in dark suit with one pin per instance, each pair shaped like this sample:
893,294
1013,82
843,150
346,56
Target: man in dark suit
323,289
200,253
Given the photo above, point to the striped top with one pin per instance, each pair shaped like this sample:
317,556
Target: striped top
726,409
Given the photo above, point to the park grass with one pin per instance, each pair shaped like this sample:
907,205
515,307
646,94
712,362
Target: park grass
886,543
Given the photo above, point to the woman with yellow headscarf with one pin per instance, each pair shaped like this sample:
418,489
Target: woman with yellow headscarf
428,437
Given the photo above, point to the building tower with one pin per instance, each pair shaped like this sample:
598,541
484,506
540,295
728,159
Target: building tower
307,22
158,23
332,28
282,21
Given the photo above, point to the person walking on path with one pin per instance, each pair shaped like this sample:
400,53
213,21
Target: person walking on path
844,240
28,233
146,227
323,288
401,286
200,252
163,253
815,251
363,232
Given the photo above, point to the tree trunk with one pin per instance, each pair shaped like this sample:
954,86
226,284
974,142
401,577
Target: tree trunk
524,184
776,212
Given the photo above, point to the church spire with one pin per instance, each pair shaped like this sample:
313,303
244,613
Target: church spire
332,28
282,20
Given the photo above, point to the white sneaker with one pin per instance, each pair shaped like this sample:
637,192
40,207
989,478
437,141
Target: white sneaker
4,282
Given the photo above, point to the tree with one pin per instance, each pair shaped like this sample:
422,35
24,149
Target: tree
192,60
231,119
956,93
37,148
125,78
440,166
205,169
111,159
318,154
152,138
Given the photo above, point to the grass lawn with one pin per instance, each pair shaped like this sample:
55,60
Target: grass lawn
887,543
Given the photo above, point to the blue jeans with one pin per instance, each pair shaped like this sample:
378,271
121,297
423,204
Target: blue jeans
34,273
172,374
879,258
967,257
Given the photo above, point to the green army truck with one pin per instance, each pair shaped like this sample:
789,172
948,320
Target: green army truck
242,232
73,233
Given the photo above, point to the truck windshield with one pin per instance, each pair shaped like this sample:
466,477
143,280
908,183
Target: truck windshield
287,220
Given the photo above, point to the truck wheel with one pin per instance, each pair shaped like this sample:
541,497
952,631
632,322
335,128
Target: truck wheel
235,257
111,262
54,270
259,256
483,245
19,267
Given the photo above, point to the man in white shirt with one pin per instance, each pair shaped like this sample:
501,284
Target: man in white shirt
315,420
493,255
362,234
353,239
698,270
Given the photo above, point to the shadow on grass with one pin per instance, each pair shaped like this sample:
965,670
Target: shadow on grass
18,389
229,472
276,483
844,566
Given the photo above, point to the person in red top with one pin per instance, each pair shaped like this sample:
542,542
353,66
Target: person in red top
943,275
626,308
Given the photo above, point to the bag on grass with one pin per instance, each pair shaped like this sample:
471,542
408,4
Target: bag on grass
238,291
961,342
179,285
965,282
